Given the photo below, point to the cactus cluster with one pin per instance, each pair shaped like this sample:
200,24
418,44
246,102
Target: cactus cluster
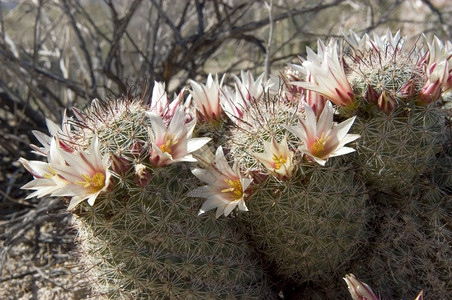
142,238
340,164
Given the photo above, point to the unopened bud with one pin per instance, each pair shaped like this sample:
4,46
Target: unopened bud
119,164
408,90
136,149
359,290
386,102
372,95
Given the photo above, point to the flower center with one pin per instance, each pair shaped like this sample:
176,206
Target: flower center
235,187
166,147
95,183
279,161
319,145
51,173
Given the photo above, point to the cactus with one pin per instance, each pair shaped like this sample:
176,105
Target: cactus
395,96
144,242
396,148
412,246
304,219
403,154
309,215
400,138
310,225
141,238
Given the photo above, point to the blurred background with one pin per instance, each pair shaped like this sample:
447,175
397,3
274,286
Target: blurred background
58,54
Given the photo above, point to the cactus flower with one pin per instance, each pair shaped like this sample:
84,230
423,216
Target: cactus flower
46,180
437,71
436,79
277,158
233,104
160,104
250,89
80,175
225,189
247,92
359,290
206,98
173,143
321,138
63,133
327,75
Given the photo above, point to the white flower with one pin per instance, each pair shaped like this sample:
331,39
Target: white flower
226,186
437,71
327,75
173,143
250,89
63,133
359,44
206,98
160,104
247,92
233,105
46,180
80,175
387,42
321,138
277,158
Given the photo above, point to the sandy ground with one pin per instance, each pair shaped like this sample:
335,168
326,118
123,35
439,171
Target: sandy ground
38,257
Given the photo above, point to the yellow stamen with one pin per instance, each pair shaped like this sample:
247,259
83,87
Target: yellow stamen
95,183
52,172
235,187
319,145
279,161
168,144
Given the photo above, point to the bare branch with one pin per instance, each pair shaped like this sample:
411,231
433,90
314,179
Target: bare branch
270,38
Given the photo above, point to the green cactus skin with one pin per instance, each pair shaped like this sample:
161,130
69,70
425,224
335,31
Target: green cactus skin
410,246
412,249
310,225
395,148
442,174
145,241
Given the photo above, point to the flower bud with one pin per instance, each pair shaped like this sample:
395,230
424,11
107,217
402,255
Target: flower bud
372,95
386,102
359,290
